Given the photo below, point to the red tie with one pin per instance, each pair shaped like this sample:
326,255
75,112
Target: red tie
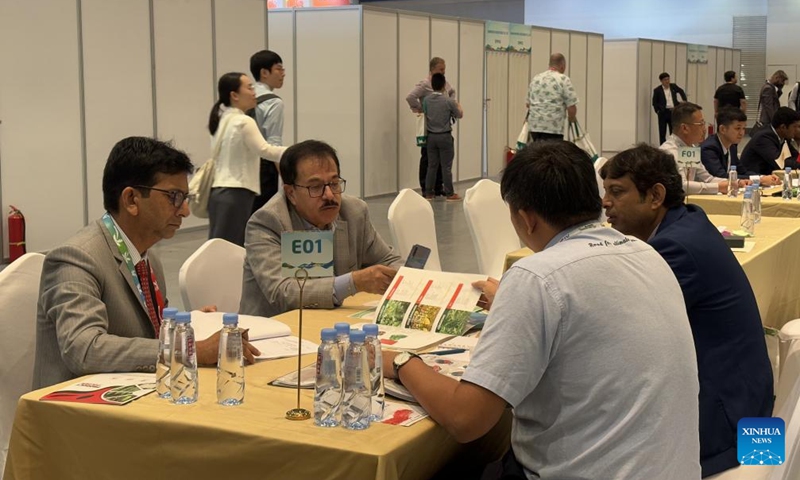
143,271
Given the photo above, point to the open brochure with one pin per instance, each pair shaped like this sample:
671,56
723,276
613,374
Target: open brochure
206,324
440,363
106,389
435,303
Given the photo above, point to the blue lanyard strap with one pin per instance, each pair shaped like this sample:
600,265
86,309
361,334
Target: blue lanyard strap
126,254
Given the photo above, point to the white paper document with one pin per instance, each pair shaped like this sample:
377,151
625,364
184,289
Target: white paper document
281,347
207,324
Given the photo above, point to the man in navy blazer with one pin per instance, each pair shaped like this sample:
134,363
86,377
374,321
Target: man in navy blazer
663,104
644,198
719,152
761,153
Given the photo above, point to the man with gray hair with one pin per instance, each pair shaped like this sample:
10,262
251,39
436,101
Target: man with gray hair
414,99
550,96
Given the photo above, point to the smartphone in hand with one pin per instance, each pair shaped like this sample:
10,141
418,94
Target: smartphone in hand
418,257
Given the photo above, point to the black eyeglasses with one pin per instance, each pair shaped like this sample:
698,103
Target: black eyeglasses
176,197
316,191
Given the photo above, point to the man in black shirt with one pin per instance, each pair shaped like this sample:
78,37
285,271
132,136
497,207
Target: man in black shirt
729,94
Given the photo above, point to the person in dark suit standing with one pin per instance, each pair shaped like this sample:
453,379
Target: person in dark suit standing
769,98
761,155
644,198
665,98
719,152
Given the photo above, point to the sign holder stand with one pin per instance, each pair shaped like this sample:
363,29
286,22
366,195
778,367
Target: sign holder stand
297,414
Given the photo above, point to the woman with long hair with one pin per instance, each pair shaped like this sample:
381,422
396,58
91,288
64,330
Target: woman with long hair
237,146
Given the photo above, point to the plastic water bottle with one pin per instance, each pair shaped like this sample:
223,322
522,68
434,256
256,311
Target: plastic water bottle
356,404
165,351
183,364
748,215
328,385
757,200
375,358
787,184
733,182
230,362
342,337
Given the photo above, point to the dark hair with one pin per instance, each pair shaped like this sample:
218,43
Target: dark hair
682,113
555,180
230,82
727,115
647,166
300,151
138,161
663,76
729,75
438,82
434,61
263,59
784,116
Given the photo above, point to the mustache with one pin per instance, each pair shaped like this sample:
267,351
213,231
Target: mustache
330,203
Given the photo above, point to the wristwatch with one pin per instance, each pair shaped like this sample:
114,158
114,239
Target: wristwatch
400,360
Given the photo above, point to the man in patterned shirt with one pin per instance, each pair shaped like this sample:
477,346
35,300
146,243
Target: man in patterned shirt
550,95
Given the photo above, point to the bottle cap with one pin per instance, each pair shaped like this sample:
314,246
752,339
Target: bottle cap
342,327
370,329
169,312
230,318
757,182
748,193
788,169
183,317
357,336
733,168
328,334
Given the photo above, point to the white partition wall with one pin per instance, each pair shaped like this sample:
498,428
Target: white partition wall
115,68
280,34
381,105
630,91
414,55
116,38
594,90
41,152
519,65
470,94
496,110
444,44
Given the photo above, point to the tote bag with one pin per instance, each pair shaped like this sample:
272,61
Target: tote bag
203,179
582,140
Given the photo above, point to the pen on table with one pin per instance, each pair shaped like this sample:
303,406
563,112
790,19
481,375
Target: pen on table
452,351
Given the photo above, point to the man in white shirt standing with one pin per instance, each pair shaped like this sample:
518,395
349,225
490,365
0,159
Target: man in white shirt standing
689,130
267,69
665,98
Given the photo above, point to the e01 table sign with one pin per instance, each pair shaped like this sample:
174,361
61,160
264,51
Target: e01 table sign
311,250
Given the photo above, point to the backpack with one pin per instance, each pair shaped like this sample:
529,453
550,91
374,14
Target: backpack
261,99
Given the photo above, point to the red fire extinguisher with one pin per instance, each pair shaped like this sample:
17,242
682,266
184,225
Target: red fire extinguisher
16,233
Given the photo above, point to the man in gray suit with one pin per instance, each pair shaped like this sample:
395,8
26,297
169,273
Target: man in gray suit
102,291
312,199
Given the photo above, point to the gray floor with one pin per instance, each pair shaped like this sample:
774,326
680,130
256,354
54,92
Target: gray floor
455,245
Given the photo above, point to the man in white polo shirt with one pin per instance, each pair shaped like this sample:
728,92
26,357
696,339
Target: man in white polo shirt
587,340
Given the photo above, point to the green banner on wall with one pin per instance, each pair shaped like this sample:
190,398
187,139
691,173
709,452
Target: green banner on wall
697,53
497,36
520,38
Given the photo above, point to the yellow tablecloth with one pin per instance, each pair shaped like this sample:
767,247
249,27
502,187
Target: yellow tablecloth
151,438
770,206
772,266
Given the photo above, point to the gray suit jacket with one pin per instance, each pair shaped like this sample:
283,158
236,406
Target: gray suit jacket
90,316
356,245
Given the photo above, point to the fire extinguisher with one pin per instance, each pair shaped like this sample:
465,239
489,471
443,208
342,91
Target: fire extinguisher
16,233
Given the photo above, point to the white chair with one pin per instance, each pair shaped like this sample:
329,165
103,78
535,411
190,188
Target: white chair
787,407
411,222
19,284
490,227
213,276
598,164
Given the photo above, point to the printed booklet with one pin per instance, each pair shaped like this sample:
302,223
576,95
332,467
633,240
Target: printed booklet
106,389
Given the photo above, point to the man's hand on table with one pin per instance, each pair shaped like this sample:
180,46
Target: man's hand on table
374,279
488,290
208,350
770,180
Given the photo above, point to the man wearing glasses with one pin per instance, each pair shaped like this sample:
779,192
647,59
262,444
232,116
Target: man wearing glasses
102,291
689,130
313,199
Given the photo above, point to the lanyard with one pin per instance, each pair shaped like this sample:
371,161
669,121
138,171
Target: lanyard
126,256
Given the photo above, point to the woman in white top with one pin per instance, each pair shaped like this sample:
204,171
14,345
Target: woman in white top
237,146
